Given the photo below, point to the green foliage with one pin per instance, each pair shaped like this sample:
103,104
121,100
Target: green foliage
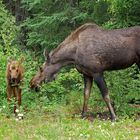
124,86
100,14
2,75
51,21
124,13
8,29
62,86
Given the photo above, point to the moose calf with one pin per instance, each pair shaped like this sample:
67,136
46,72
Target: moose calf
14,79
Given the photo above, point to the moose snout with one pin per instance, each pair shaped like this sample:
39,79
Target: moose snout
13,80
37,89
34,86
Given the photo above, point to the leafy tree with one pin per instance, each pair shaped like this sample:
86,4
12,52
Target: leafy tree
17,9
124,13
8,29
51,21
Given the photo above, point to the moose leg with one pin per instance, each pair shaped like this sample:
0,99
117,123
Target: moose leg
18,96
104,91
15,96
9,93
87,89
16,92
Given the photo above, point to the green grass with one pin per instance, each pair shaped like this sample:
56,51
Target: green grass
56,126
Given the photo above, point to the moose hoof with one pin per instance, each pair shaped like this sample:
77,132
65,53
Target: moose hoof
113,119
83,115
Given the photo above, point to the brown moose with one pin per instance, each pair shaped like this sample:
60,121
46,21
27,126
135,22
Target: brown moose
93,50
14,79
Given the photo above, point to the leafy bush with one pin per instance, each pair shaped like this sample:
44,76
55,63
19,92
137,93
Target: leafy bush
124,86
8,29
124,13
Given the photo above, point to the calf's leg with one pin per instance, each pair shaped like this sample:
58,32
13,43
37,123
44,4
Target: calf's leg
18,95
9,93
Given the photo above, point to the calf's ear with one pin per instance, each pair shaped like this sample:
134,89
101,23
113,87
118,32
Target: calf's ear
22,59
9,60
40,69
46,55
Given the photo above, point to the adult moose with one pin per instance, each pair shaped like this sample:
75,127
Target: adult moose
93,50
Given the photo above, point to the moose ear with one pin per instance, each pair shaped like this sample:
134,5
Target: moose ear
9,60
22,59
46,55
40,69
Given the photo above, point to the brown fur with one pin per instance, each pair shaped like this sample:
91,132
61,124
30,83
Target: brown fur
14,79
93,50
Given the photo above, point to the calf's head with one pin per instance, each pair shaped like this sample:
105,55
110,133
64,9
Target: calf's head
14,71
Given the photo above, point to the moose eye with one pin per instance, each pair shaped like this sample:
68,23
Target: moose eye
41,69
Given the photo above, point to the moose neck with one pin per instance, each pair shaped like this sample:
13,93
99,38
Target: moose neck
64,54
52,69
56,67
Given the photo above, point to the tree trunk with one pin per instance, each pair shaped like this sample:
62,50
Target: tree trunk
74,3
